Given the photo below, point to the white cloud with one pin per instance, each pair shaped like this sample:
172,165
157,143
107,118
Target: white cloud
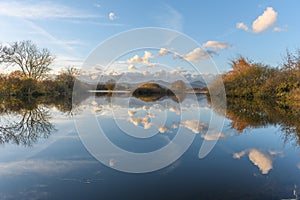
175,110
260,159
112,16
262,22
279,29
241,25
131,67
41,10
151,115
274,153
112,162
239,155
216,45
146,73
135,59
138,59
131,113
152,65
194,125
97,5
195,56
147,125
174,125
40,166
141,120
174,71
213,135
164,129
163,52
265,21
147,55
298,166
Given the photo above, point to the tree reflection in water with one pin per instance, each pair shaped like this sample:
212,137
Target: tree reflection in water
254,114
25,121
29,126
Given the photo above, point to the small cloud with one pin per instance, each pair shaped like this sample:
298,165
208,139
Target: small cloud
174,125
163,52
241,25
239,155
298,166
146,73
176,55
152,65
194,56
131,113
216,45
144,121
135,59
274,153
147,125
94,103
112,16
164,129
139,120
96,69
131,67
151,115
213,135
193,125
138,59
97,5
174,109
279,29
147,55
174,71
112,162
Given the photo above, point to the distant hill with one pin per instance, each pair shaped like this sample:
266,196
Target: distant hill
150,85
131,80
198,84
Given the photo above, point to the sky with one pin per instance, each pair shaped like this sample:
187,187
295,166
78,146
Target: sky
71,29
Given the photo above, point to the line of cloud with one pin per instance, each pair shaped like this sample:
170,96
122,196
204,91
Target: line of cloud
41,10
170,18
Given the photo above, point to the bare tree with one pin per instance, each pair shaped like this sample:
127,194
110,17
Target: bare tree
5,53
32,61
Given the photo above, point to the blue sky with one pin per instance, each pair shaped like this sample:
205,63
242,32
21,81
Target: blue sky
71,29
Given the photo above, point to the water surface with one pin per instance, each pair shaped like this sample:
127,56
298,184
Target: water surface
42,157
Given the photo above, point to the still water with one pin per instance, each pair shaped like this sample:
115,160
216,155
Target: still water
42,155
